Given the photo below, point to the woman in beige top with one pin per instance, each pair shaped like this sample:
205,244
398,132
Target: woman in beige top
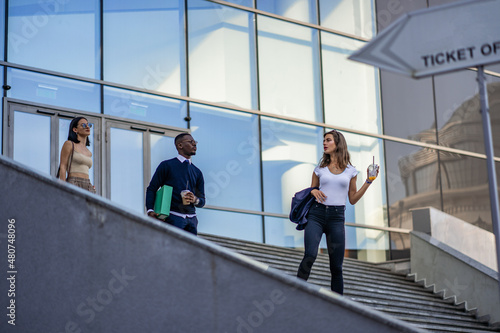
81,162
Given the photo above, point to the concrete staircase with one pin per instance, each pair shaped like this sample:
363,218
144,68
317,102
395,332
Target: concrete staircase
395,294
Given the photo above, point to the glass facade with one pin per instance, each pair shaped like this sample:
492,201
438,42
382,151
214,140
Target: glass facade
56,35
147,39
442,110
257,83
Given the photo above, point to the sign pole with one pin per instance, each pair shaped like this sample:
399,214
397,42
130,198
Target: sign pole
488,145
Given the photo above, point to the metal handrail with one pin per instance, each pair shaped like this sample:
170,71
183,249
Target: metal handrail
285,216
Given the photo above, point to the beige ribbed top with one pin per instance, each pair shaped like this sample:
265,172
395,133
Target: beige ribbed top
81,163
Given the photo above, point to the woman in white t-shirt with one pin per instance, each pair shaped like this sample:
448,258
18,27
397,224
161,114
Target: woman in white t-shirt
334,180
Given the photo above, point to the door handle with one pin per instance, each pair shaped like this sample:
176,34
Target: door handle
138,128
156,131
46,112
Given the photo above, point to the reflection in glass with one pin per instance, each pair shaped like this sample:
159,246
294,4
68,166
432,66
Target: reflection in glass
367,244
413,181
144,44
127,184
221,54
228,156
301,10
466,189
356,17
290,152
361,243
400,246
351,88
458,110
246,3
495,68
2,36
282,232
234,225
1,127
53,36
32,140
408,107
144,107
289,79
63,137
162,148
52,90
371,209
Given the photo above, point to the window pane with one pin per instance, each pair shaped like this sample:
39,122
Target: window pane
246,3
228,156
2,35
290,152
56,36
282,232
144,44
371,209
1,127
162,148
221,54
289,70
29,127
144,107
53,90
351,89
301,10
406,188
389,11
458,107
495,68
241,226
127,184
408,106
63,137
356,17
466,189
367,244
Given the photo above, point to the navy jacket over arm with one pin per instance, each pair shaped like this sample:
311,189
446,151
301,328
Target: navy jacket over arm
301,203
178,175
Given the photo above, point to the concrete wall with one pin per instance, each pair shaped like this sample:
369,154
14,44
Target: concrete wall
456,274
472,241
83,264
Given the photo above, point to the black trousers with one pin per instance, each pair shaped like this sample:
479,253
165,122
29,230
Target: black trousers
330,221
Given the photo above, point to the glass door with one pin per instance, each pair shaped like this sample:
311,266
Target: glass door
133,151
34,137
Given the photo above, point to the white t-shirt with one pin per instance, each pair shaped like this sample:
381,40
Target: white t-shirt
335,187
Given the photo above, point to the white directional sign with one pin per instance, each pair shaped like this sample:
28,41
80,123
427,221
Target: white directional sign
437,40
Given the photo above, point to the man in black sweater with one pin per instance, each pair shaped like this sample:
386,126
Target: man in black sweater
181,174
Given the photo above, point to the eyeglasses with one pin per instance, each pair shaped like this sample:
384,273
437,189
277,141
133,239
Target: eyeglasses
194,143
86,125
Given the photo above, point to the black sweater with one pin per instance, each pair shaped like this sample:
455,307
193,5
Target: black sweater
180,176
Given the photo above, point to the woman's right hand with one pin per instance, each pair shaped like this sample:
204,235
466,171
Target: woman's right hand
320,196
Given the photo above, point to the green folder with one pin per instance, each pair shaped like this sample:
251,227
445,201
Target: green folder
162,201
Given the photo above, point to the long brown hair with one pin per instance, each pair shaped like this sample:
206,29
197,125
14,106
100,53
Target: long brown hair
341,153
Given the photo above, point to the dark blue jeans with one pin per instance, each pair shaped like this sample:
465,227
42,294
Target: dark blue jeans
330,221
189,224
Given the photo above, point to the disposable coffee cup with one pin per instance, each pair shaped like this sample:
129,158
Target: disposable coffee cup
183,196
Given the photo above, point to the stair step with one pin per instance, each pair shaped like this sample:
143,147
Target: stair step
377,287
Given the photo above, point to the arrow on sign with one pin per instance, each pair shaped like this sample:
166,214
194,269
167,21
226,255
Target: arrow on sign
437,40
